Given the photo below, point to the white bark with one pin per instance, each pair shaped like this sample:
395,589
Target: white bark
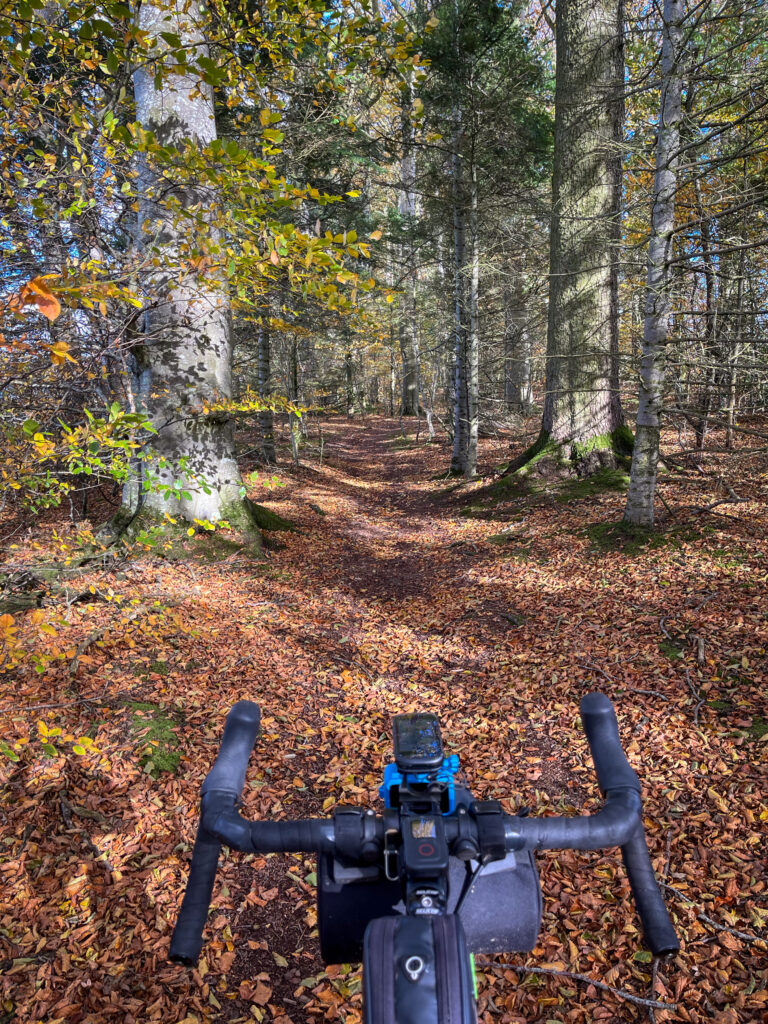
642,487
184,362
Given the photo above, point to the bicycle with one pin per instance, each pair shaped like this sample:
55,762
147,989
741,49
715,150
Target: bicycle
412,891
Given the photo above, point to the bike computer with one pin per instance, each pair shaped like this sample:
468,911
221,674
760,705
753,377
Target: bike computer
418,744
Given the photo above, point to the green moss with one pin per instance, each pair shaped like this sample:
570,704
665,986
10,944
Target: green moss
723,706
265,519
588,486
759,727
623,440
601,442
630,540
668,649
153,728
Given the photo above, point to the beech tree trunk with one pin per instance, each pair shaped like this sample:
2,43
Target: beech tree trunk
582,410
182,364
266,417
645,457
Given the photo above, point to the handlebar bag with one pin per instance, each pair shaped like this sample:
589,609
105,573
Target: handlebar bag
417,970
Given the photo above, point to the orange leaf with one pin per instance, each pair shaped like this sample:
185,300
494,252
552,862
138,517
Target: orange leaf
38,293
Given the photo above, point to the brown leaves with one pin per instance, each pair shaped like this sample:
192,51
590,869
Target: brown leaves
393,601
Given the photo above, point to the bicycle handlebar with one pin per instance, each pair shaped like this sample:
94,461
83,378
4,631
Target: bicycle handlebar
618,823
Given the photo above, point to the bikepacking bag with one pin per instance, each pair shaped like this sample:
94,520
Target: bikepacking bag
417,971
500,905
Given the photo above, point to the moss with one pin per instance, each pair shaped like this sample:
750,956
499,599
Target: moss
623,440
588,486
670,650
541,448
154,730
759,727
601,442
265,519
630,540
723,706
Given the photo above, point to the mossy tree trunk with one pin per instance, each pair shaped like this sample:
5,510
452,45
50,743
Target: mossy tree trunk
582,410
645,457
183,357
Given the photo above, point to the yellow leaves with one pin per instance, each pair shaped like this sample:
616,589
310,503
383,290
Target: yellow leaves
376,235
60,353
7,626
433,22
418,107
37,293
200,264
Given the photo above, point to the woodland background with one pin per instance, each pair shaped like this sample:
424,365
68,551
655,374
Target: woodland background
326,329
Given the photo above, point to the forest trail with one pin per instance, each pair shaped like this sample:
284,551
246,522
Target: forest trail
396,599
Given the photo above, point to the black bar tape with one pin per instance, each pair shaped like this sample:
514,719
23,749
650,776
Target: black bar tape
187,939
307,836
613,825
602,730
657,925
240,732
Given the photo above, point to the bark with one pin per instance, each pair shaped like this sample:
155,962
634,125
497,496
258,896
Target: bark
642,487
266,417
517,351
409,337
182,365
582,410
461,412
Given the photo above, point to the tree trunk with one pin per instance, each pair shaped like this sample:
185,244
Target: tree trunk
461,412
517,352
183,363
266,417
409,337
582,410
645,457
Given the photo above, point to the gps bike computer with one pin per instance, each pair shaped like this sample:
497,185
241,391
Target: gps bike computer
418,744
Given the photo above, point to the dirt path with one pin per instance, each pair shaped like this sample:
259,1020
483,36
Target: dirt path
392,600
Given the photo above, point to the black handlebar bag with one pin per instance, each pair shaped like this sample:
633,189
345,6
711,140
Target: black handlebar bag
417,971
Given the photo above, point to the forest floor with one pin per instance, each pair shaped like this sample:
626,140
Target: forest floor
398,591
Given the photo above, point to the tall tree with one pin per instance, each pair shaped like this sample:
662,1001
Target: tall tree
182,361
582,419
645,457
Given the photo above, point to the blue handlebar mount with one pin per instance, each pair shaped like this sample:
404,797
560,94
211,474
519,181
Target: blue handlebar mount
442,782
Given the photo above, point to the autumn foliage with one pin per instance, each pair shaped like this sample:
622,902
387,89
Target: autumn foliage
395,593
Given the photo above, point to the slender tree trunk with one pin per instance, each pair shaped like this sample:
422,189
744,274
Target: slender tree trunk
266,417
183,364
582,411
517,351
642,487
409,336
461,413
294,420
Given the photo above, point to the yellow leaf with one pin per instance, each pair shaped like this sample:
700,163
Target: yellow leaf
274,258
376,235
60,353
191,531
6,621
